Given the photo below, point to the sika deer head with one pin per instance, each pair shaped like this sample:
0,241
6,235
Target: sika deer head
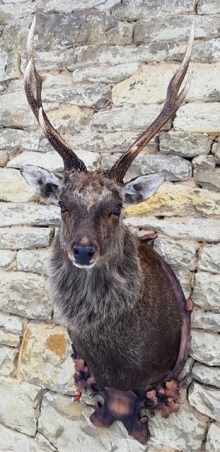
91,202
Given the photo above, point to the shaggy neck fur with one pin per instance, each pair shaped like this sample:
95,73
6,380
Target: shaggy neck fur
99,295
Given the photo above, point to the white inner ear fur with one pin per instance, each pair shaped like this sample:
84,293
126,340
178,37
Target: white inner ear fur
142,188
42,181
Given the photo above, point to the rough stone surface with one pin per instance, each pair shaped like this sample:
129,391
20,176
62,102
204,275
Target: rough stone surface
12,441
206,291
48,344
206,375
139,9
6,258
35,261
198,117
177,253
209,258
7,360
213,437
105,74
10,339
10,323
206,320
19,404
184,144
30,214
19,191
26,297
206,400
208,7
207,179
204,163
25,237
205,347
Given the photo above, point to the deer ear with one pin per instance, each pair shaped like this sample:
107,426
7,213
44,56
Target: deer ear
42,181
142,188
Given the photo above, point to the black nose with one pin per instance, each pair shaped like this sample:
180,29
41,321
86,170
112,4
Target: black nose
83,254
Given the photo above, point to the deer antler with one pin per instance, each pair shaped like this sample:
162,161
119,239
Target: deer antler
172,103
33,87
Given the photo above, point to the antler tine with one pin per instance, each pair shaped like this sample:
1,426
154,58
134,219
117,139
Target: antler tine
172,103
33,88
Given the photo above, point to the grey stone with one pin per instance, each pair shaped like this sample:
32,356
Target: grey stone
205,399
6,258
142,9
7,360
185,278
71,5
206,51
216,152
17,238
10,339
206,291
51,160
14,111
45,358
174,168
35,261
178,430
67,426
178,254
127,117
205,347
25,295
208,179
198,117
12,441
174,27
10,323
46,61
190,228
19,404
206,320
30,214
206,375
209,258
184,144
204,163
104,73
18,140
208,7
213,437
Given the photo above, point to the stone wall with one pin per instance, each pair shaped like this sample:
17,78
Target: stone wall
107,65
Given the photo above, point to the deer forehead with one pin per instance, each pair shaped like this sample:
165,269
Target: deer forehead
90,188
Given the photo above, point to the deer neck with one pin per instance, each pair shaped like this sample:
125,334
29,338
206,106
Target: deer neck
108,291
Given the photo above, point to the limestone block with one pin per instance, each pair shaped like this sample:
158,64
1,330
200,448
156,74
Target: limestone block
105,74
15,214
183,430
185,278
206,375
198,117
140,9
204,163
11,323
12,441
18,139
216,152
184,144
25,237
19,404
45,61
205,399
35,261
9,66
178,200
4,157
51,160
213,437
190,228
209,258
71,5
208,7
7,359
61,31
178,254
6,258
126,118
174,168
45,358
206,320
174,28
205,347
13,187
14,111
206,291
209,179
67,426
206,51
25,295
10,339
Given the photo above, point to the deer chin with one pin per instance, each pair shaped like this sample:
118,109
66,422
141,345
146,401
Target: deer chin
89,266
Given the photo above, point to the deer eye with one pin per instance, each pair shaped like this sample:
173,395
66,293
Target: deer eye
63,207
117,210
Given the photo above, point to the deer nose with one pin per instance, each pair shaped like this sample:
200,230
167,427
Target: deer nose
83,254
